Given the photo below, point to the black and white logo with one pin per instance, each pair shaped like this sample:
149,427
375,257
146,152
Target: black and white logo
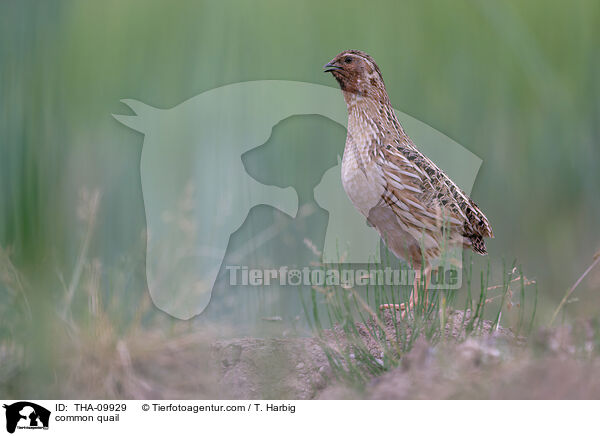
26,415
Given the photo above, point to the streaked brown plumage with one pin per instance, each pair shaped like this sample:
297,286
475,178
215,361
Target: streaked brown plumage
414,206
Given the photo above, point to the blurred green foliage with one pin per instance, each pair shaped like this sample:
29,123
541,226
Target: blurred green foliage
517,83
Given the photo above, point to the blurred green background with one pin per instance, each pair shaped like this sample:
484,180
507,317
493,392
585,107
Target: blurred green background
517,83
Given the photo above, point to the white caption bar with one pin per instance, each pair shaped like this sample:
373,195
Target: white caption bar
297,417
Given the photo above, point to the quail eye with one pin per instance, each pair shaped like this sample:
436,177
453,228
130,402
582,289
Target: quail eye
348,60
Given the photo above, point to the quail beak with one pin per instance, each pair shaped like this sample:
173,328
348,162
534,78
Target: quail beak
329,67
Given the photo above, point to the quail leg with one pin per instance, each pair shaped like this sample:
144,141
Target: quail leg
414,296
402,306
